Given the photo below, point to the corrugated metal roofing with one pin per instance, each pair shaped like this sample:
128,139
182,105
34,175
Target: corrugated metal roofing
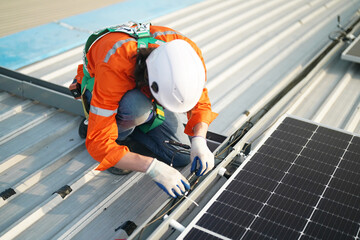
252,50
333,97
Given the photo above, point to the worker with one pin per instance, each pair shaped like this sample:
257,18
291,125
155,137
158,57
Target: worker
136,83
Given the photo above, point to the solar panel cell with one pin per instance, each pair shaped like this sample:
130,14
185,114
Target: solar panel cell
354,148
291,206
315,165
240,202
309,174
333,142
300,134
306,126
231,213
322,232
325,148
257,180
339,209
303,184
211,222
342,197
294,138
345,164
287,127
333,222
345,186
334,134
248,190
352,156
295,193
356,141
278,153
273,230
221,226
320,156
283,218
284,145
272,162
265,171
346,175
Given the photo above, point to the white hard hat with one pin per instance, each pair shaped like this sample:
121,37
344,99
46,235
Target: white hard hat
176,75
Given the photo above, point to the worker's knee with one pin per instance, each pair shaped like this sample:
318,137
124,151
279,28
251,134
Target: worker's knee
134,109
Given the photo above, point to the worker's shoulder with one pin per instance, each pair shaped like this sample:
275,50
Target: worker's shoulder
114,44
115,40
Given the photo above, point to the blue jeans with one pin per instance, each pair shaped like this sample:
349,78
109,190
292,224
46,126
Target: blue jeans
135,109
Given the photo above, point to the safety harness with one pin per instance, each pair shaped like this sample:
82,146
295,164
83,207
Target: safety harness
139,31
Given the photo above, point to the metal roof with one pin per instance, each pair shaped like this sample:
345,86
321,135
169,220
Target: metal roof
253,50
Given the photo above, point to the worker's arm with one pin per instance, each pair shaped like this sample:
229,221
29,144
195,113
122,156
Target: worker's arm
199,119
167,178
113,71
202,112
134,162
202,157
201,129
102,128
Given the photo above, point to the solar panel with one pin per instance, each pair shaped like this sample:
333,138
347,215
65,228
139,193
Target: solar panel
352,52
302,182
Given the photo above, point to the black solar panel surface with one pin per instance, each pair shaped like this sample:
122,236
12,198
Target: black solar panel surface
302,183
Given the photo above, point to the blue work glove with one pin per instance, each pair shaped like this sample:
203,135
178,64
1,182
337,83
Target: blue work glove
203,158
168,179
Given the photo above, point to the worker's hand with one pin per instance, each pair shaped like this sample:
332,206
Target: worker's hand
168,179
201,155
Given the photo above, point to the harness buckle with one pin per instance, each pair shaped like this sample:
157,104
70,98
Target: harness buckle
142,30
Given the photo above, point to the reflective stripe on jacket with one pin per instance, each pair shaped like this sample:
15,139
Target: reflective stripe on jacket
112,61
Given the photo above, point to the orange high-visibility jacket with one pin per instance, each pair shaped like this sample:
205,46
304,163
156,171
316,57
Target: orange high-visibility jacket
111,61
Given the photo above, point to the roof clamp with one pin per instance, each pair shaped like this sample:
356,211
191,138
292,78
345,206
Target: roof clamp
246,150
348,37
223,173
234,164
